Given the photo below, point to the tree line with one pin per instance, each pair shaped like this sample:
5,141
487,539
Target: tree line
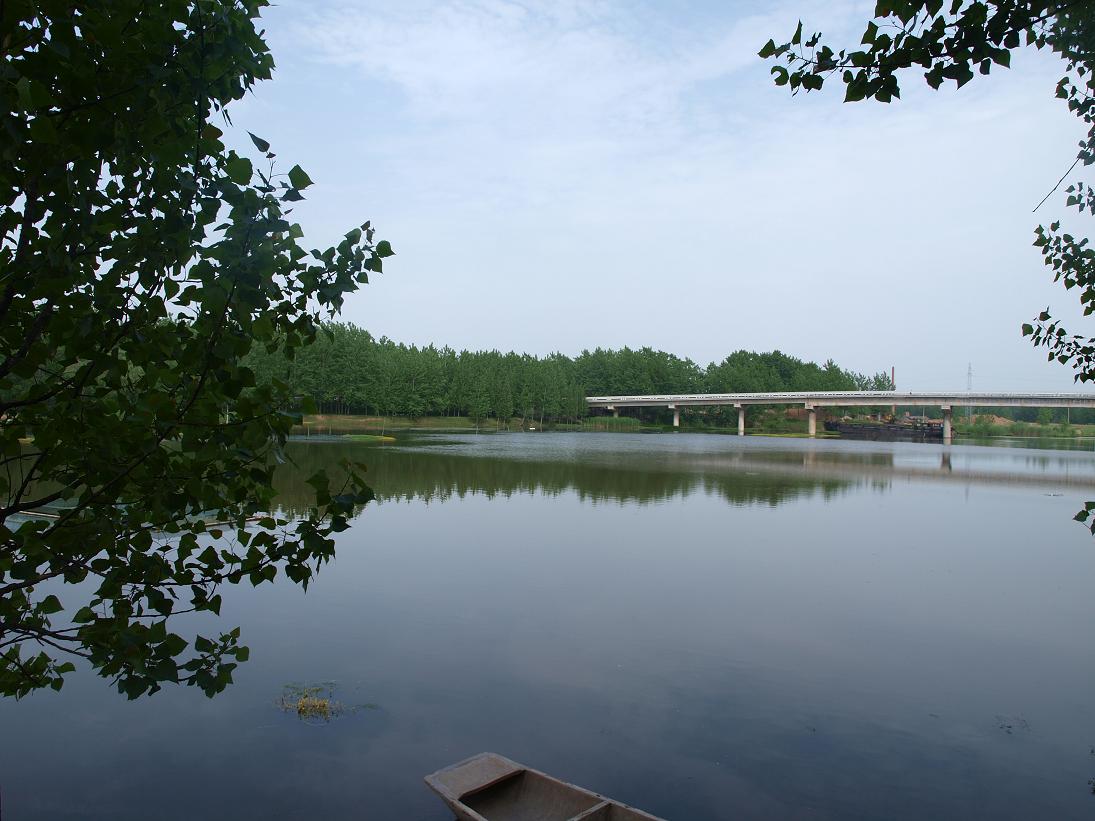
348,370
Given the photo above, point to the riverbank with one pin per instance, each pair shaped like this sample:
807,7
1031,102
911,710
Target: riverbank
766,424
339,424
987,427
334,424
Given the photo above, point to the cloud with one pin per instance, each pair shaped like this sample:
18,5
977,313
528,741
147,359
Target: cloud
531,75
565,175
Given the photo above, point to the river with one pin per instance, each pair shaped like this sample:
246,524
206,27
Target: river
705,627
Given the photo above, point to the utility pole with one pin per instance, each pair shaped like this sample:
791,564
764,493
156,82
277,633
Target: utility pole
893,387
969,390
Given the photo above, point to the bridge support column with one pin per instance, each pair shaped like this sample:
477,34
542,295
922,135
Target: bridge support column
615,413
811,426
676,415
946,424
741,419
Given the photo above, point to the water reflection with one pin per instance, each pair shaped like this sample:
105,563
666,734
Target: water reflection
644,469
436,471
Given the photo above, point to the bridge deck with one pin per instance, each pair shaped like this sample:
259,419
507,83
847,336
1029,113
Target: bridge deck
822,399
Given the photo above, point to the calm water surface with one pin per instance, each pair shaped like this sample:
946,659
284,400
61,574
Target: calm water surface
705,627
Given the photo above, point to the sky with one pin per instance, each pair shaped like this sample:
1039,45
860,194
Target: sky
572,175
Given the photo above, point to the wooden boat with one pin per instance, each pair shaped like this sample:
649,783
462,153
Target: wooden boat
489,787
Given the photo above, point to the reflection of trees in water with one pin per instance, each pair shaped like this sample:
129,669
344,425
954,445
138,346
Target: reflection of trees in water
425,473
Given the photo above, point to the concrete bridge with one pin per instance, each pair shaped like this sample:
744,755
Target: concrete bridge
812,400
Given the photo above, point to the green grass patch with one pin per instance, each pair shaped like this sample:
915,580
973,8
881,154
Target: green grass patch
336,424
620,423
986,426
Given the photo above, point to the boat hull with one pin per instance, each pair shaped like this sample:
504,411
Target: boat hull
490,787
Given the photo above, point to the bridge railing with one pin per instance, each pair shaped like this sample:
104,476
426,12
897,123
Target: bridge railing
853,398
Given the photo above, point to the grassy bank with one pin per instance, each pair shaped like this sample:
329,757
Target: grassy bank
335,424
767,423
989,426
624,424
372,428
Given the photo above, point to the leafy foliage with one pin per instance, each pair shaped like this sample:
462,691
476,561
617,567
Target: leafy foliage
141,259
947,41
349,371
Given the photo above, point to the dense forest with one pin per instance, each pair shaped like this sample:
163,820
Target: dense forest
349,371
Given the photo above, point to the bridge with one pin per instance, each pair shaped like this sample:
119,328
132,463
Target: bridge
812,400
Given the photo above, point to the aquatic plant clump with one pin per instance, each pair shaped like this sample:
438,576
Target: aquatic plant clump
316,704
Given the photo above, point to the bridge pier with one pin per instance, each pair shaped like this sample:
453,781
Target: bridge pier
676,415
811,425
946,424
741,419
615,412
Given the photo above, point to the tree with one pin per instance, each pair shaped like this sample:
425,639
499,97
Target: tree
140,260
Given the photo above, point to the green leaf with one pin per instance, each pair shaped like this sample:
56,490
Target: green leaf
259,142
174,644
50,604
384,249
239,170
298,178
26,96
263,327
202,644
